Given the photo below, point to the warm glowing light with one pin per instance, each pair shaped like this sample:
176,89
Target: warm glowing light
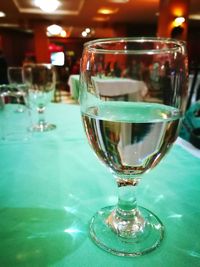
63,34
178,21
194,16
47,5
177,12
98,18
119,1
54,29
84,33
88,30
2,14
107,11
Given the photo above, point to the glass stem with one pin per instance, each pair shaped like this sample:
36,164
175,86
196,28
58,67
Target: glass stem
126,219
19,106
41,116
126,197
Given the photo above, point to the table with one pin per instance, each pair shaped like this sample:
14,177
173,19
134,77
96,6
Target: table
110,87
116,87
52,184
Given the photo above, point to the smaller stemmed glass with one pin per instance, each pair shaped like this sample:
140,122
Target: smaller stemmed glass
17,86
41,81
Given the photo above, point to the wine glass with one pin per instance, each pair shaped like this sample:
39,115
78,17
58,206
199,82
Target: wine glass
131,118
41,81
17,86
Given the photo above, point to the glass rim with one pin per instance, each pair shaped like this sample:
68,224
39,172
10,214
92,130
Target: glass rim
178,45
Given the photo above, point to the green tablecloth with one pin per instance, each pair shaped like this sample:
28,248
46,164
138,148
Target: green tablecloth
51,185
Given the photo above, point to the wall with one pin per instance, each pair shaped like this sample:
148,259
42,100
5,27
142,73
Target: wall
15,44
194,45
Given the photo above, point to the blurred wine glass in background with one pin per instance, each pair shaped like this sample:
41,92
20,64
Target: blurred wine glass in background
17,86
41,81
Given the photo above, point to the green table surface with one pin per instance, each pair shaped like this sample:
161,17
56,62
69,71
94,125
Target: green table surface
52,184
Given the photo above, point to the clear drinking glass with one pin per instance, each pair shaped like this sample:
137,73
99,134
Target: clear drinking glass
13,125
17,86
41,81
133,96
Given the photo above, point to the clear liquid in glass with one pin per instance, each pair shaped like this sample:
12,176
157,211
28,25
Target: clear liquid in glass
131,137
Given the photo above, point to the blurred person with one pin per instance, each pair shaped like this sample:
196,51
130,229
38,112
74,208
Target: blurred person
108,71
76,67
117,70
3,69
29,59
177,33
133,71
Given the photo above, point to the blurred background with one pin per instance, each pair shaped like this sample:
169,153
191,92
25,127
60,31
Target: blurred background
55,30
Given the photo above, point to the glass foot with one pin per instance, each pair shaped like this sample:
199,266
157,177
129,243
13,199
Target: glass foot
42,127
138,241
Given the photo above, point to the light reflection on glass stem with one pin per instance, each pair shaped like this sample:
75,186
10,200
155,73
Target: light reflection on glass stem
41,110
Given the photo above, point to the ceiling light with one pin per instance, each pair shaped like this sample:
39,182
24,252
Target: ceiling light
88,30
54,29
107,10
84,33
47,5
2,14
